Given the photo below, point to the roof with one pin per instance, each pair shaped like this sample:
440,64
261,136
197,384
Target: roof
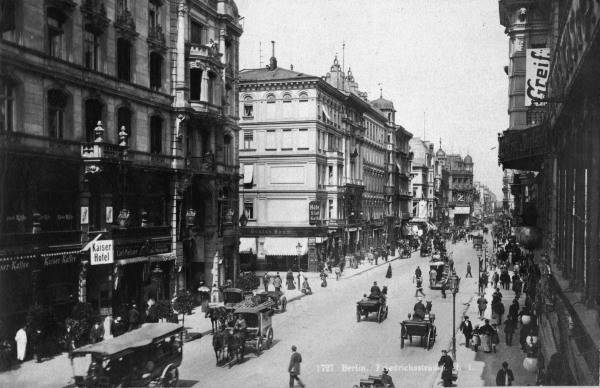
468,159
249,75
381,104
254,310
236,290
138,338
440,152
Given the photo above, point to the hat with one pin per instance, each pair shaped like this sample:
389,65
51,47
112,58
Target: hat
444,351
505,364
294,348
385,371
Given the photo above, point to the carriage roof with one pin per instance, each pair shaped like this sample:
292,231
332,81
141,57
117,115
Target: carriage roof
260,309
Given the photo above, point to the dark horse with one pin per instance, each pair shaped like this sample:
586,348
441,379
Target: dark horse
228,345
219,342
217,317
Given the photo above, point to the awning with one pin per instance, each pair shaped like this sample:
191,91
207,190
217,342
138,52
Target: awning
248,244
285,246
248,173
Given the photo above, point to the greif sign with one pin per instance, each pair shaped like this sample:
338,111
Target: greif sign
102,252
536,76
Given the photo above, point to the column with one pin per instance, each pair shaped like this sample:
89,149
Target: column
204,86
180,86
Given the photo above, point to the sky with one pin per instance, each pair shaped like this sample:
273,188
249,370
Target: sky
440,61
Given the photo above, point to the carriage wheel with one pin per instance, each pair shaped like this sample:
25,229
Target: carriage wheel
386,312
283,305
426,342
380,314
402,342
259,346
269,338
357,314
170,377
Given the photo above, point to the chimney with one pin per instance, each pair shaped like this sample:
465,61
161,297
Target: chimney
273,60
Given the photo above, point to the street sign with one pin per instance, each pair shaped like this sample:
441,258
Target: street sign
102,252
314,212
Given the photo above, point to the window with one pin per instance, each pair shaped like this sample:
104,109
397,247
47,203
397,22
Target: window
153,15
212,80
249,209
7,105
271,140
330,169
287,139
55,34
302,142
248,106
287,98
248,140
124,120
303,97
270,99
155,135
156,62
195,84
227,150
7,15
198,34
91,49
330,209
93,114
57,104
123,59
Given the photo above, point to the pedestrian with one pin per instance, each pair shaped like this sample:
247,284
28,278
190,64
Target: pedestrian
513,310
509,330
517,286
386,379
299,277
96,333
482,304
21,340
505,376
469,275
482,283
496,279
277,282
266,281
323,277
497,310
389,271
419,286
467,329
495,338
447,365
443,289
497,295
294,367
475,339
290,280
337,272
418,272
306,287
134,317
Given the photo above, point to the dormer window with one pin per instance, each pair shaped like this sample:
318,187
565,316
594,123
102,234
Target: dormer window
303,97
287,98
271,99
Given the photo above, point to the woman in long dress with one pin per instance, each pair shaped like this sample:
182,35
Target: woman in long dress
21,340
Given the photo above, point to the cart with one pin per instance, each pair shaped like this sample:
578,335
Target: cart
419,328
276,298
146,356
260,330
438,274
367,306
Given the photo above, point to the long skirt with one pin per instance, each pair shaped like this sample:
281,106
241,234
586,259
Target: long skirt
486,343
290,285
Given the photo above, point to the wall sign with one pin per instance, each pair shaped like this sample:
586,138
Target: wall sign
314,211
109,215
85,219
102,252
537,70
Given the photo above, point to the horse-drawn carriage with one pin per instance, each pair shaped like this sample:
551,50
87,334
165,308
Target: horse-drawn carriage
230,345
423,328
218,311
438,271
276,298
370,305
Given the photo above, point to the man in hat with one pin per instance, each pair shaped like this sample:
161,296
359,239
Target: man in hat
386,379
294,367
467,329
505,376
419,310
447,365
375,291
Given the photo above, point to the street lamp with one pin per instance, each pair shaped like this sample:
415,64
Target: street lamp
299,251
454,281
479,260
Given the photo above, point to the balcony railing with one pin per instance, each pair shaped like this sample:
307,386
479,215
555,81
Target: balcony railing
150,160
41,239
204,50
353,181
156,37
100,151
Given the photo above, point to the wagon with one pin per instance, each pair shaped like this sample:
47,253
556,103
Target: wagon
438,274
367,306
419,328
259,326
276,298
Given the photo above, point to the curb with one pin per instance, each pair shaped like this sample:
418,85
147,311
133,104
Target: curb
373,267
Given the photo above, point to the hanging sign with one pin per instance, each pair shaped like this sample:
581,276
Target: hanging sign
537,69
314,211
102,252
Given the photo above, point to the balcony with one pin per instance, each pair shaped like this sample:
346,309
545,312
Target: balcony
353,182
405,194
204,51
146,159
334,154
40,239
94,13
523,149
202,164
101,152
125,24
156,38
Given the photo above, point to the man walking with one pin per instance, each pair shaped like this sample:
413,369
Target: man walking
266,281
469,274
481,305
294,367
277,282
467,329
509,330
447,365
419,287
134,317
505,376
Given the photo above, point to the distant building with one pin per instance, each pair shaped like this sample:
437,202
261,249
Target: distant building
422,180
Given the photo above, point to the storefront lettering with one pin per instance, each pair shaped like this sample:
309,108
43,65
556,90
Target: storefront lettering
14,265
62,259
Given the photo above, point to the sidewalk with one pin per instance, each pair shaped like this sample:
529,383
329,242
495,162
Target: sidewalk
476,369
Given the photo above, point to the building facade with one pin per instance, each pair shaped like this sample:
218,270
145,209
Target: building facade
556,188
422,180
89,146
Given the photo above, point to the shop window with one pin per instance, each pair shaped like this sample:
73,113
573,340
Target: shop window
91,49
195,84
55,32
93,114
155,135
124,59
248,106
198,33
57,105
156,62
249,209
124,120
7,105
7,15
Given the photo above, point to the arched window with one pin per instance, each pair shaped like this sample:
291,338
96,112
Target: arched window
7,105
155,135
93,114
91,48
57,106
124,120
287,98
248,106
123,59
156,65
303,97
270,99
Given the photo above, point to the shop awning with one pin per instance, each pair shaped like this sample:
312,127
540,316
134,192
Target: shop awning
248,244
248,174
285,246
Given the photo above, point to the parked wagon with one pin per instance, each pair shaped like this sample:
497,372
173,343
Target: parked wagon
425,329
276,298
370,305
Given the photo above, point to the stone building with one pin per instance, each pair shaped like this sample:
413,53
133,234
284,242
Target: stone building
91,150
422,181
553,142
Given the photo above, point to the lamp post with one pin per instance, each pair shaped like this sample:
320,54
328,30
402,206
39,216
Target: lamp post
479,260
454,281
299,251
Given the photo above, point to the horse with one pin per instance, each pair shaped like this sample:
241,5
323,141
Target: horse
236,344
217,317
219,343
